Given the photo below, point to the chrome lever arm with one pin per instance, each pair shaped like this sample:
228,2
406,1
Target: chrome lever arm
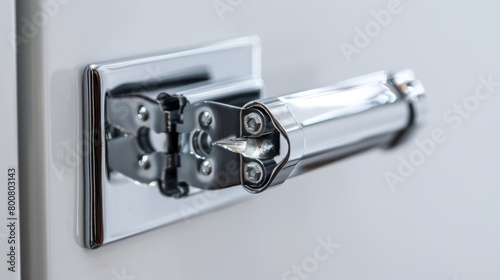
212,145
285,136
178,122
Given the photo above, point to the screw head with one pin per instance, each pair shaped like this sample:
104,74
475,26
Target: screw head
254,172
206,119
144,162
205,168
143,113
253,123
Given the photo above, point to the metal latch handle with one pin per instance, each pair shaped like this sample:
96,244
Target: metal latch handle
325,124
193,120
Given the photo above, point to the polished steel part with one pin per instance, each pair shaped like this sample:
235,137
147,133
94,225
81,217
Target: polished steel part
202,126
254,173
128,130
280,137
329,123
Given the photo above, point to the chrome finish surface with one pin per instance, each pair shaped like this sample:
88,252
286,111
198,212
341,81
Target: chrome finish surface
334,118
322,125
190,122
125,100
194,153
254,123
416,96
254,173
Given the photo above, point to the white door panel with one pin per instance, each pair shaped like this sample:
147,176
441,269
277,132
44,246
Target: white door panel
9,194
438,220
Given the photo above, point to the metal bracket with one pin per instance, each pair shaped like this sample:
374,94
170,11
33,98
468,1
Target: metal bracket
128,109
193,121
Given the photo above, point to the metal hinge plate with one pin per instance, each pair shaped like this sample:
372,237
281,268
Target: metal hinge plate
125,92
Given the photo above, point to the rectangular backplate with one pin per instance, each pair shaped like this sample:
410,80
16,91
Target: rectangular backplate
115,207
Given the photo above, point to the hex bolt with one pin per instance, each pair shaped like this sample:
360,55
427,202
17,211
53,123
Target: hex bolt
254,172
205,168
253,123
143,113
144,162
205,119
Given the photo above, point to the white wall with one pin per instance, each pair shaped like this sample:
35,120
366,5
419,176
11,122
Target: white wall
9,236
441,223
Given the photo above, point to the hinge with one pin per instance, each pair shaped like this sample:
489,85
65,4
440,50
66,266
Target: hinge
199,124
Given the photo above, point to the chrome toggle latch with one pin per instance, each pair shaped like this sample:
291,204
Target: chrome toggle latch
175,143
194,120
